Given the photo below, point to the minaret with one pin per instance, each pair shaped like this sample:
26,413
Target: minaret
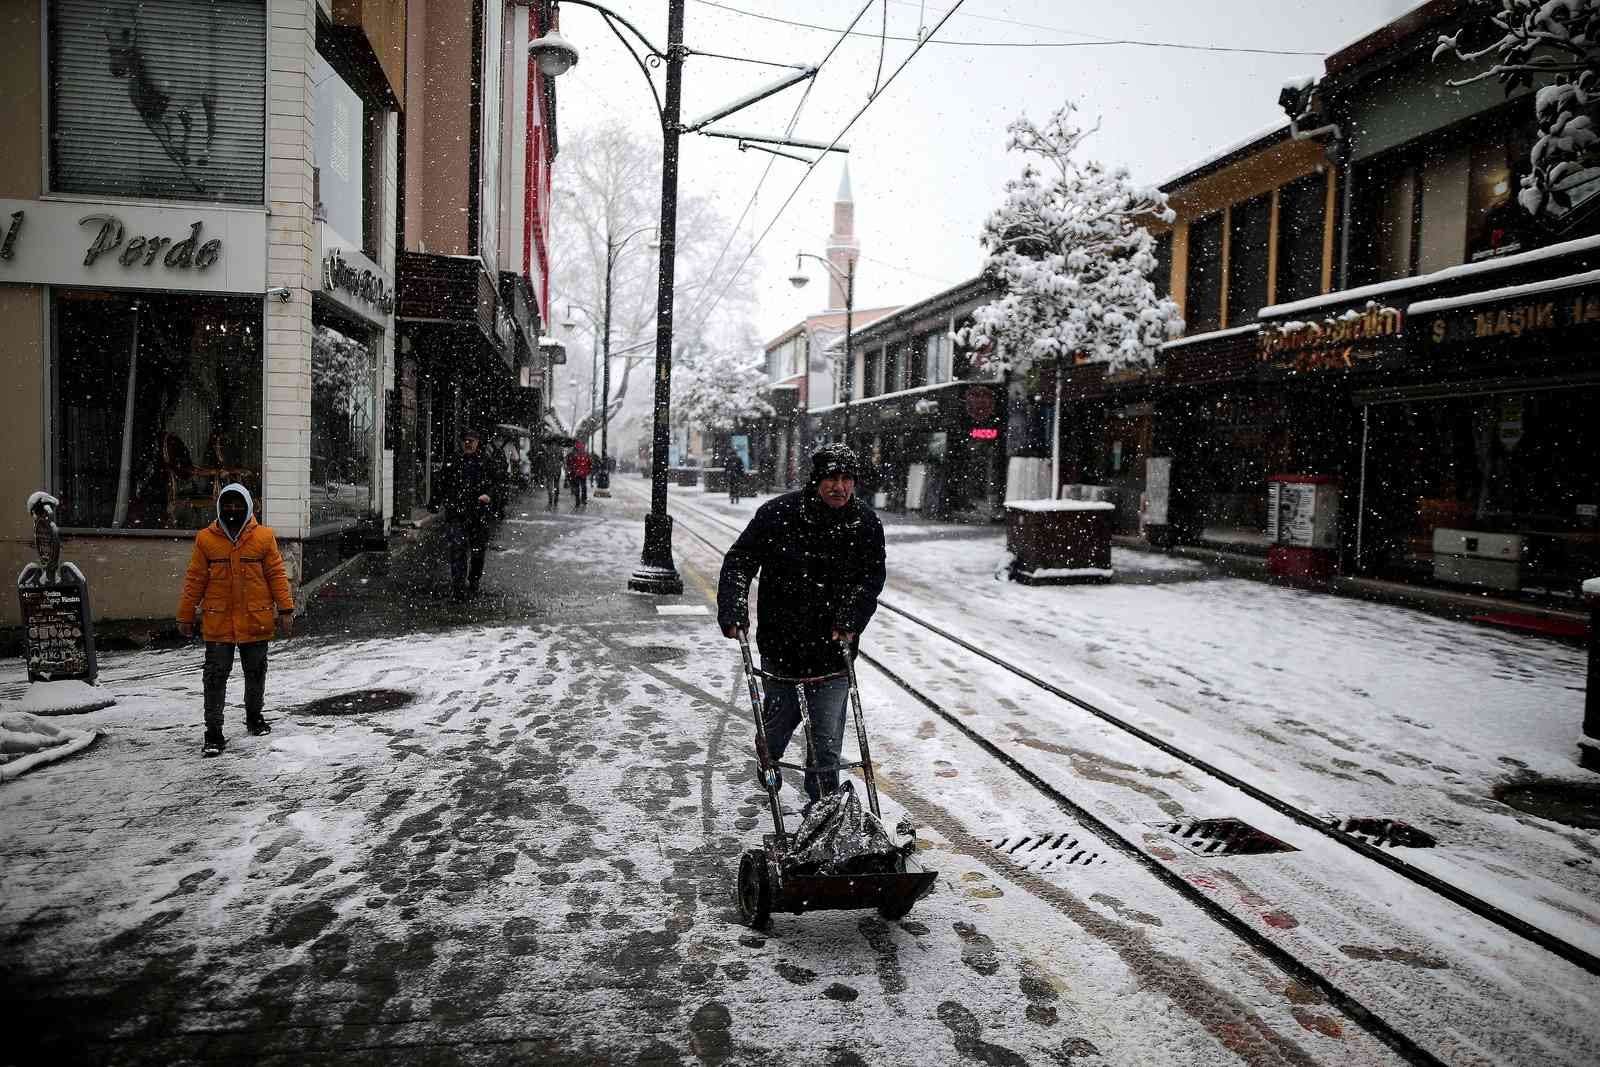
843,248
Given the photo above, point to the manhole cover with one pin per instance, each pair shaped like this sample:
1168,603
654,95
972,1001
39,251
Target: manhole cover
1045,851
1223,837
1568,803
358,702
1384,833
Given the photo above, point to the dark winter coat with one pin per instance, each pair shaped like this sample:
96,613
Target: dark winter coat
461,481
821,570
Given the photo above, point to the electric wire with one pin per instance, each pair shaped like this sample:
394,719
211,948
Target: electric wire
794,121
1101,43
823,155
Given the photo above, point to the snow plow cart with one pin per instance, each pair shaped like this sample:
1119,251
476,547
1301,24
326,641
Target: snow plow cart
840,857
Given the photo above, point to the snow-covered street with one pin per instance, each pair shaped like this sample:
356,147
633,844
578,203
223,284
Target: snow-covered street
533,860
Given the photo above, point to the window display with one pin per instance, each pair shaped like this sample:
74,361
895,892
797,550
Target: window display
157,406
343,401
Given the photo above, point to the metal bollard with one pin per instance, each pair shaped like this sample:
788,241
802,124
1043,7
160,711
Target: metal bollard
1589,743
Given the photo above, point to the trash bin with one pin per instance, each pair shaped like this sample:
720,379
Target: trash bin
1059,540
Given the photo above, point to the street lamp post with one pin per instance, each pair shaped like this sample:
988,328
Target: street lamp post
656,572
846,277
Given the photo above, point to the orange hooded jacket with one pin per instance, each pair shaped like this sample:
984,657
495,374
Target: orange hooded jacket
238,585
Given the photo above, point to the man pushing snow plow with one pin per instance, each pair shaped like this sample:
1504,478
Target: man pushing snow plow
819,553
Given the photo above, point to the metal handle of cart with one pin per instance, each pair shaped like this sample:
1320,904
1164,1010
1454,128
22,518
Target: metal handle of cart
769,766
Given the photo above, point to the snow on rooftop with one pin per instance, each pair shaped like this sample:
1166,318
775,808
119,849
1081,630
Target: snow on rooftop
1265,131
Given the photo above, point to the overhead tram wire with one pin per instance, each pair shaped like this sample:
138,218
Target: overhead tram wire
813,166
1102,43
794,120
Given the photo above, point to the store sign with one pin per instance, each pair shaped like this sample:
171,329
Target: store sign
110,235
1336,342
132,246
981,433
360,283
1515,320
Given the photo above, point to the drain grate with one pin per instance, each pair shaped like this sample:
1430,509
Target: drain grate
1384,833
1222,837
357,702
1045,851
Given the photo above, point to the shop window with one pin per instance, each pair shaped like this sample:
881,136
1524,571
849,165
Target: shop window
343,402
1302,210
1497,224
347,152
162,99
937,349
1203,300
916,372
893,368
157,406
1442,235
1395,190
872,373
1161,277
1518,466
1249,235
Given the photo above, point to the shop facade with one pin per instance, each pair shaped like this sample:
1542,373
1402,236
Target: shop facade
932,439
196,284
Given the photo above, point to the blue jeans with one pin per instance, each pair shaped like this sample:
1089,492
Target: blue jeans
825,704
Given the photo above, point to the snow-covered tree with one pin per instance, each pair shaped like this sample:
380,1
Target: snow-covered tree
716,388
608,182
1074,260
1552,46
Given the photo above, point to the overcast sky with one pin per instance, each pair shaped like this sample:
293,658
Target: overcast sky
927,157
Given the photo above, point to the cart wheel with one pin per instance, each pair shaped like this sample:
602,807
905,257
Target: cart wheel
755,889
897,910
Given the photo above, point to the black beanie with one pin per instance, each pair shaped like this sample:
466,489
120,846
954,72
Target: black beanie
834,459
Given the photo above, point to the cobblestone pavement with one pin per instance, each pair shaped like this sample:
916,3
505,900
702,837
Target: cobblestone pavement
533,861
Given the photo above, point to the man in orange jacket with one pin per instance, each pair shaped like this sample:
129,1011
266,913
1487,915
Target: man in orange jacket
236,579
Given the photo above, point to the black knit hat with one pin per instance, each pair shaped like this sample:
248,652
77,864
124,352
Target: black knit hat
834,459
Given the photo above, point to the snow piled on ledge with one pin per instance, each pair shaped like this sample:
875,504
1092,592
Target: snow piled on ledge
1061,505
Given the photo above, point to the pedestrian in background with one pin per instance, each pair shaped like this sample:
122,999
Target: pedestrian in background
237,581
553,465
819,555
579,466
466,490
735,472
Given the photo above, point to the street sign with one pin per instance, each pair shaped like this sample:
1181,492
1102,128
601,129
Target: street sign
57,629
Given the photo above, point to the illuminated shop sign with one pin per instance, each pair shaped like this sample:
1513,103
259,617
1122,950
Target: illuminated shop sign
1338,341
981,433
1515,320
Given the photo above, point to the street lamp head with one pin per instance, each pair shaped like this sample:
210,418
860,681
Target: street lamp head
554,54
798,280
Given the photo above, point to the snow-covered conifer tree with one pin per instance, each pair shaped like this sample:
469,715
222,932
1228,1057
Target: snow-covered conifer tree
1074,261
1554,44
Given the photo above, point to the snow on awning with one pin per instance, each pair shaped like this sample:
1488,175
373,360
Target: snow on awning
1419,281
1061,505
1509,292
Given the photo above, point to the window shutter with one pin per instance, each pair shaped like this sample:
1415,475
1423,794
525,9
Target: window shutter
162,99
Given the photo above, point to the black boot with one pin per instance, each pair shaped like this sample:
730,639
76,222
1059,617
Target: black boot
214,743
257,725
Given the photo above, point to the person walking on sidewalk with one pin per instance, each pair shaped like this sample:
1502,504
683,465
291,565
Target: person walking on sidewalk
237,581
466,489
579,466
819,554
735,475
554,464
